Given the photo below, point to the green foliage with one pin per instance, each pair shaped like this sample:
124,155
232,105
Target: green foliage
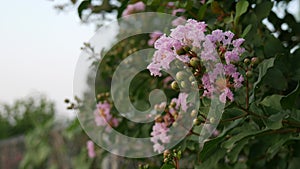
260,129
24,115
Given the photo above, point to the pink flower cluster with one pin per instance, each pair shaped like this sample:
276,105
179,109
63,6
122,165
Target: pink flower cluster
160,129
133,8
159,136
231,50
217,50
190,34
103,116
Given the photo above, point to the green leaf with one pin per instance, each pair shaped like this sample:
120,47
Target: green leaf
289,101
263,9
272,101
262,69
294,163
241,8
275,78
272,46
276,146
212,162
246,30
210,147
247,130
234,153
274,122
167,166
202,11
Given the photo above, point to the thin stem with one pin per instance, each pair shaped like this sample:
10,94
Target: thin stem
234,118
247,93
176,163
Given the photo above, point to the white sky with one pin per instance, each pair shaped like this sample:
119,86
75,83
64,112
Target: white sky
39,48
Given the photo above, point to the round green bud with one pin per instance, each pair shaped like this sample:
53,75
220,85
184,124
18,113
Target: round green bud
175,124
183,84
254,61
249,73
191,78
195,62
193,113
196,122
212,120
194,84
247,61
174,85
180,75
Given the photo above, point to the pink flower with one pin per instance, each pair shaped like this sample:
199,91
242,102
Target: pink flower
175,11
159,136
179,21
226,94
153,37
133,8
181,101
103,116
91,149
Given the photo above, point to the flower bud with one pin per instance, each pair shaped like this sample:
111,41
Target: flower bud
249,73
193,113
158,119
195,62
194,84
183,84
175,124
174,85
196,122
166,153
254,61
180,75
191,78
212,120
181,51
247,61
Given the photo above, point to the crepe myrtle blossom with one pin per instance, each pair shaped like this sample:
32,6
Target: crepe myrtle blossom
179,21
133,8
191,34
91,149
159,136
218,50
153,37
103,116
